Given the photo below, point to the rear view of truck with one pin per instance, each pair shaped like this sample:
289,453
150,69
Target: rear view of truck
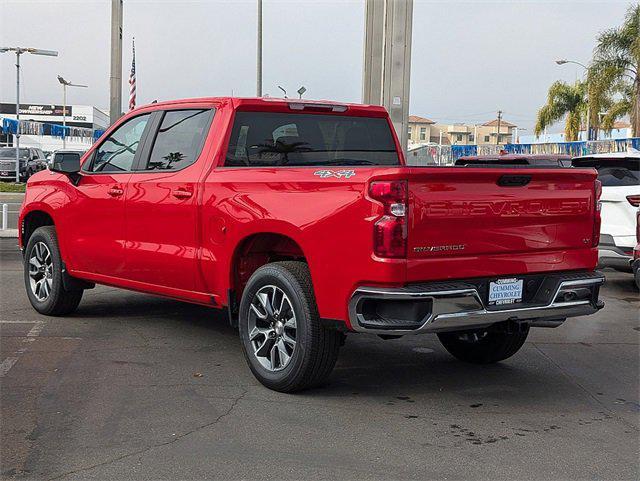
360,242
490,252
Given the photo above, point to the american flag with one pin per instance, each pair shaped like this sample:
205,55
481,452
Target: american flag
132,80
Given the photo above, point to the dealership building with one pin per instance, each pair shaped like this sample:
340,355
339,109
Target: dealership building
41,125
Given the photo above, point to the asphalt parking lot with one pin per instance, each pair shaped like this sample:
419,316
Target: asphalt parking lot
137,387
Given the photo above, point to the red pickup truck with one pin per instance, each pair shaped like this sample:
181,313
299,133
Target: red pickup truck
302,220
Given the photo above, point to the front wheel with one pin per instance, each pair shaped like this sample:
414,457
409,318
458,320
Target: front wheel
484,346
43,275
285,345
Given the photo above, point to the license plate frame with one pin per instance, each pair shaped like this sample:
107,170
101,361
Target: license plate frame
505,291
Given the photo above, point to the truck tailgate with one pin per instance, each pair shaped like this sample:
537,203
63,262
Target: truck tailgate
499,213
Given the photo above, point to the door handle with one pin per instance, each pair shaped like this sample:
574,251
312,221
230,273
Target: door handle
182,194
115,192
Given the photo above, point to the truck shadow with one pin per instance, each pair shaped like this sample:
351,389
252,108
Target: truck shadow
395,372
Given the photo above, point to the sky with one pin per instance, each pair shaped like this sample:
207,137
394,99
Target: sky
469,58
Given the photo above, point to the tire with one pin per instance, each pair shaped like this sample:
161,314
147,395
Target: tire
484,346
51,298
314,353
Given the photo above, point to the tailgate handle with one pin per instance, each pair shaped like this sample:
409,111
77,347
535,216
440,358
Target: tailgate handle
514,180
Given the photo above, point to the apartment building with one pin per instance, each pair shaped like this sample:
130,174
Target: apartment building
423,131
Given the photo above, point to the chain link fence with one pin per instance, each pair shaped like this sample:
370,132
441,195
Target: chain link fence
448,154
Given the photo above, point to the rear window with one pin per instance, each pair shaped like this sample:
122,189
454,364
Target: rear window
266,139
10,153
613,172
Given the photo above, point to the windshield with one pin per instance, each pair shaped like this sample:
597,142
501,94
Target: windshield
265,139
10,153
613,172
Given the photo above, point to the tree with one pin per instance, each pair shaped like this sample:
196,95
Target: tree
613,72
564,99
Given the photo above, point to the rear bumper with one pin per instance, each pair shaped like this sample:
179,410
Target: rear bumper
612,255
440,307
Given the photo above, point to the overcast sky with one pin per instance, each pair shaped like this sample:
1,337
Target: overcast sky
469,59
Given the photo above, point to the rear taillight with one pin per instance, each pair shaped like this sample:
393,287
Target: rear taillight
390,231
595,237
634,200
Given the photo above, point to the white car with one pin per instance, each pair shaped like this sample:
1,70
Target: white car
620,176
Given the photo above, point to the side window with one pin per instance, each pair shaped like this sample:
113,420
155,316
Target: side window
117,152
179,139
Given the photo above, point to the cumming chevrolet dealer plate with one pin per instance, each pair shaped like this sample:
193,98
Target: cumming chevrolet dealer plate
505,291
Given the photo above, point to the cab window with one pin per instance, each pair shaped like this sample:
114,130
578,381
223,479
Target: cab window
117,152
179,140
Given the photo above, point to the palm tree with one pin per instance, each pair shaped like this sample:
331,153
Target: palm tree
614,72
564,99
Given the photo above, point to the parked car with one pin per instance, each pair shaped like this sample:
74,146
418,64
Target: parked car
619,174
635,262
31,161
301,219
539,160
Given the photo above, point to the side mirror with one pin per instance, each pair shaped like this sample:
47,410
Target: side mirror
66,163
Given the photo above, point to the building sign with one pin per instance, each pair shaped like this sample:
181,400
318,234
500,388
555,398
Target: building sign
35,109
76,115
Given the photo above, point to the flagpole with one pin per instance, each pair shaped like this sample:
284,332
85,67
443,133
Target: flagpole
132,78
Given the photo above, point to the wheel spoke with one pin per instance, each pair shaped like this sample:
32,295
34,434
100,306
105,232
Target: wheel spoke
35,262
260,315
264,348
263,297
291,323
38,289
282,353
274,355
259,331
288,340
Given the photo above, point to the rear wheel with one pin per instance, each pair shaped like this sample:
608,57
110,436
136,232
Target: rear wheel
484,346
285,345
43,275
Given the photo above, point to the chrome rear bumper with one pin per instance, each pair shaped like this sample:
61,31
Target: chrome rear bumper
440,307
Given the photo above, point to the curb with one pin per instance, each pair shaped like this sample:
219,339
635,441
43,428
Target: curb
8,233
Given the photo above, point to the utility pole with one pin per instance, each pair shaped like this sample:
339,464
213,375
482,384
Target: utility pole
387,59
115,80
259,56
498,133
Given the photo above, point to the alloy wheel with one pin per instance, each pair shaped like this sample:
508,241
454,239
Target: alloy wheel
272,328
41,271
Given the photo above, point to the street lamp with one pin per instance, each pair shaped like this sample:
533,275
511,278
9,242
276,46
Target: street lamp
301,91
285,92
19,51
563,61
65,84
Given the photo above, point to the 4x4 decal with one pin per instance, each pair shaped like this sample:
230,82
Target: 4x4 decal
338,174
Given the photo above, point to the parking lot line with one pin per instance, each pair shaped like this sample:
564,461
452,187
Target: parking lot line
34,332
19,322
6,365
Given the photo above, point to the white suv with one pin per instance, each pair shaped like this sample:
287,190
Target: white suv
620,177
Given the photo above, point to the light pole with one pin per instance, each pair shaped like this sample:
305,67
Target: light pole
259,55
19,51
563,61
65,84
301,91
